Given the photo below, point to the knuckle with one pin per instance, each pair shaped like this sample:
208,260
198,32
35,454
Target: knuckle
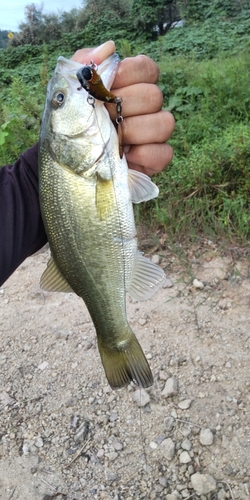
148,67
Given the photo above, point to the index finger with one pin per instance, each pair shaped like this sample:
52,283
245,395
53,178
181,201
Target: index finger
138,69
98,54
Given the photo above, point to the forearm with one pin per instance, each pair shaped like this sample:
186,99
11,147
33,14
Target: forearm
21,228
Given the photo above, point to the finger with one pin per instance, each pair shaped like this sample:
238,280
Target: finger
137,69
149,158
148,129
141,98
98,54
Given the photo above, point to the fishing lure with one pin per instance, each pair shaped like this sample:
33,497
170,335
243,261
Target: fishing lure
91,81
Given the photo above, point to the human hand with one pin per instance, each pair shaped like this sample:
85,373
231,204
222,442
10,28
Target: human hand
146,128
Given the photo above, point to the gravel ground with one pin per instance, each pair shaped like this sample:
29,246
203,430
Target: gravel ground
65,434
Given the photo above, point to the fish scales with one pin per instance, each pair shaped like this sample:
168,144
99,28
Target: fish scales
86,198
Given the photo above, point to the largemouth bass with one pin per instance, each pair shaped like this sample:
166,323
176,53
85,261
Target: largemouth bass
86,195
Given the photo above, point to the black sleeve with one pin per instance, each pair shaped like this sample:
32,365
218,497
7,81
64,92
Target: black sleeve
21,228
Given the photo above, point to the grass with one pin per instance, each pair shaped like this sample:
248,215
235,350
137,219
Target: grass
207,186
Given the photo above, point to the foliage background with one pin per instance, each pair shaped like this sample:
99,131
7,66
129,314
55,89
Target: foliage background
205,82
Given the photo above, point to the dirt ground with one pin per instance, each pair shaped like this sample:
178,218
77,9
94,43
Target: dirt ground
65,434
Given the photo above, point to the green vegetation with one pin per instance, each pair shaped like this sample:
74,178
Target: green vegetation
205,82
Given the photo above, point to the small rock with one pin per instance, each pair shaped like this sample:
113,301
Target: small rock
168,448
26,448
163,375
153,445
172,496
168,283
39,442
186,445
82,432
100,453
198,284
206,437
142,321
117,446
113,417
228,364
171,387
185,404
111,476
141,397
43,365
163,482
169,423
156,259
203,483
184,457
112,455
222,495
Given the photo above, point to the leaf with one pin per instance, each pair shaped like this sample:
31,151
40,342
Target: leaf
3,134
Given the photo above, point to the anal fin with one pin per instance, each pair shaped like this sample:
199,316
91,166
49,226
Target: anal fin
147,279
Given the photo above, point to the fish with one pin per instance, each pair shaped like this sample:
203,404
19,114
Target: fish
86,196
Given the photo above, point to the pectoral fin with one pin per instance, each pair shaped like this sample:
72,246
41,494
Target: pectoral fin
146,280
141,187
52,280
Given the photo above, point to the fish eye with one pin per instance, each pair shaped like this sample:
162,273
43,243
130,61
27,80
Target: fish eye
86,73
58,99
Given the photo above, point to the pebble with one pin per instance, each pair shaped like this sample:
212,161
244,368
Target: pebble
142,321
222,495
163,375
26,448
111,476
171,387
168,283
198,284
113,417
169,423
172,496
82,432
100,453
186,445
203,483
153,445
39,442
43,365
163,482
118,446
112,455
185,404
168,448
206,437
141,397
184,457
156,259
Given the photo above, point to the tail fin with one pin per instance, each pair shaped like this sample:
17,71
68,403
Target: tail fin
125,362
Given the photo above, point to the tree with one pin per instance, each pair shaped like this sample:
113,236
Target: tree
199,10
153,16
3,38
